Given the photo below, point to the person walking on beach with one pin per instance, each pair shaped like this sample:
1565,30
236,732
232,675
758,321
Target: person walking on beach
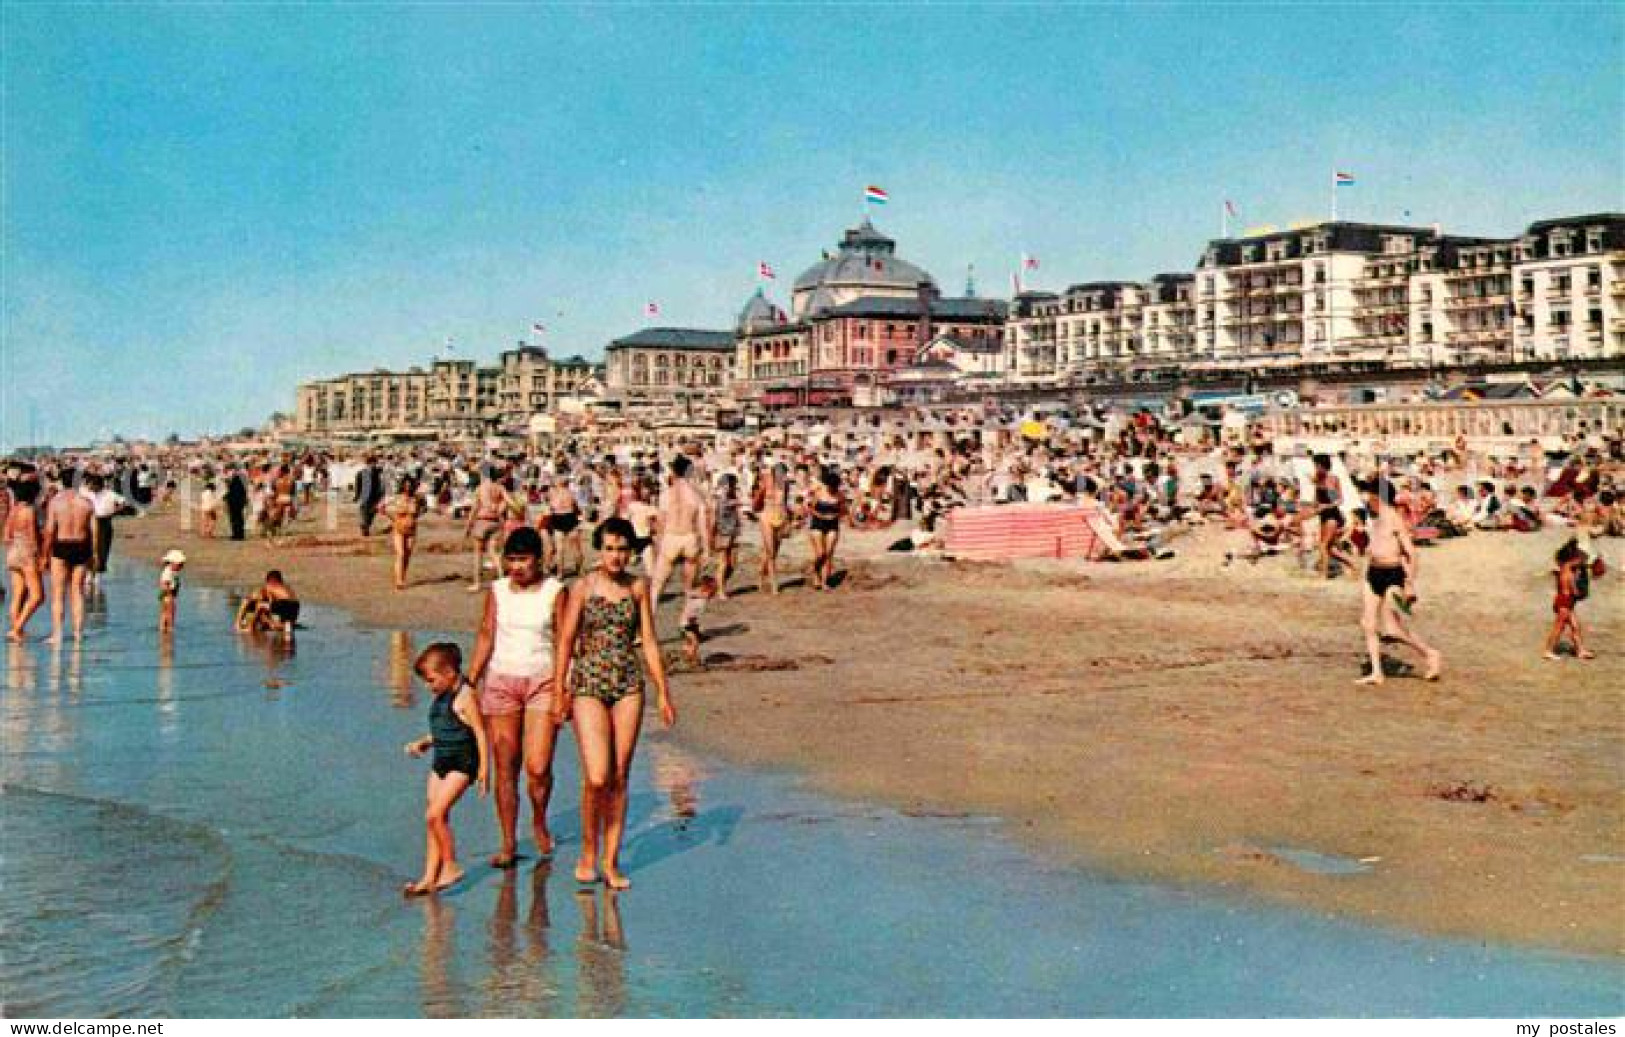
773,517
564,524
1329,502
1389,590
513,665
402,514
683,530
68,543
598,683
106,505
368,493
825,509
725,527
169,589
457,737
236,501
1573,585
23,557
484,524
208,510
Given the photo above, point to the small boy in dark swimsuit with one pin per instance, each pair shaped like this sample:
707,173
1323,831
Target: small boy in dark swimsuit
457,736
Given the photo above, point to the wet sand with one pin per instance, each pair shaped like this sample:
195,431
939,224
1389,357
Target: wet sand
1173,720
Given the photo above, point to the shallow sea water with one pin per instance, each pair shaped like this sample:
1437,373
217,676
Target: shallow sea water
217,826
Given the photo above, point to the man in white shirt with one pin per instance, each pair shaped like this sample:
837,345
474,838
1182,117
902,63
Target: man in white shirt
106,504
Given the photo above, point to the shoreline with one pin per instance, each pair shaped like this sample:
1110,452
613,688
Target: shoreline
1199,728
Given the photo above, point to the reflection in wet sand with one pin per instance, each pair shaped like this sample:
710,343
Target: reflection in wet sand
677,774
440,993
67,669
520,982
600,956
168,702
22,673
401,657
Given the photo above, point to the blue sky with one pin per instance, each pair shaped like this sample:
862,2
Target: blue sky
205,205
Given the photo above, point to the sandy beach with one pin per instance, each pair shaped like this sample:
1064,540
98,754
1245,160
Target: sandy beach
1172,721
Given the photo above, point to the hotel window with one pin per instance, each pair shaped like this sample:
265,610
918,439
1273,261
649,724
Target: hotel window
1593,241
1560,318
1594,317
1593,278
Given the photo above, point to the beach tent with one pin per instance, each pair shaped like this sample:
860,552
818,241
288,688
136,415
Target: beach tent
1004,532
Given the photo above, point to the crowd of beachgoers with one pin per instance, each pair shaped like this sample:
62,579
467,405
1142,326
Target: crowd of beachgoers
573,546
1151,482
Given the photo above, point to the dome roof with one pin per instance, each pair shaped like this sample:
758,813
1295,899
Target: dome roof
866,260
760,313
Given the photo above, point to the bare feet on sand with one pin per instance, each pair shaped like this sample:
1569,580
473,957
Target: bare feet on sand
449,876
1435,664
615,880
504,858
586,872
544,840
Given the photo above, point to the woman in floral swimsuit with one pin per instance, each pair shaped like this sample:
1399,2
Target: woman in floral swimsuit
606,614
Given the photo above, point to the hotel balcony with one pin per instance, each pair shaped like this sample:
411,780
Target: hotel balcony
1468,302
1473,336
1559,291
1378,309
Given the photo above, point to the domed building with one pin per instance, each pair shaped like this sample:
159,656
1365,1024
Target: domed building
856,318
865,265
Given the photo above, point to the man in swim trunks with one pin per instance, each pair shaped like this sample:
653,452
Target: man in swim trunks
1390,583
564,521
68,522
683,526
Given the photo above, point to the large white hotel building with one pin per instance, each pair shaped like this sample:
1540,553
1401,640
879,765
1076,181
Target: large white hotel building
1335,293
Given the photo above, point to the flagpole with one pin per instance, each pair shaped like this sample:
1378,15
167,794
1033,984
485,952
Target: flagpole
1334,196
1224,219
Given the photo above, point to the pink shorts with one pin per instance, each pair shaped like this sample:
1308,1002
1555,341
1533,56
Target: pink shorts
503,693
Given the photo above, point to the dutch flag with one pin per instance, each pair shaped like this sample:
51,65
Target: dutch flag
875,196
1343,179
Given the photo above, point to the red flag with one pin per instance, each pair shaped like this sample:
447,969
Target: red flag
651,309
765,272
1029,262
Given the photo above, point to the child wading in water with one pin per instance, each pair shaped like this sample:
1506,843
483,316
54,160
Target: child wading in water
169,588
457,736
1572,579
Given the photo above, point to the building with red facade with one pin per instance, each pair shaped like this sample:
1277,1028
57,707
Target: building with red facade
857,320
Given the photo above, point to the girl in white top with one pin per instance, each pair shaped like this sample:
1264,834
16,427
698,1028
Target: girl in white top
514,656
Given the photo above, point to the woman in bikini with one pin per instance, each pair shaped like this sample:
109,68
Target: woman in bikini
402,513
23,557
773,516
599,683
825,507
